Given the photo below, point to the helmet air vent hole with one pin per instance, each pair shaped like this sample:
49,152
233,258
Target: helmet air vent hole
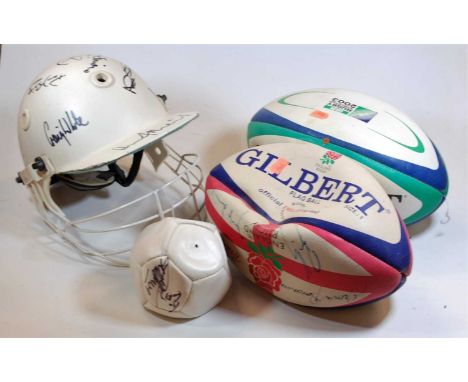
102,79
25,120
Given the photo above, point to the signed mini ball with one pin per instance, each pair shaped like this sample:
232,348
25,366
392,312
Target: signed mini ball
180,267
309,225
392,146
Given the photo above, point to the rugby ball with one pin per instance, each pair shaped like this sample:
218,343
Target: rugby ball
309,225
392,146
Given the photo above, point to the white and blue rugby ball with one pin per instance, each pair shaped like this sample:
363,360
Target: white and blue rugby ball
308,225
392,146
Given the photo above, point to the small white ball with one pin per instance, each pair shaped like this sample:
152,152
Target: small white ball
180,267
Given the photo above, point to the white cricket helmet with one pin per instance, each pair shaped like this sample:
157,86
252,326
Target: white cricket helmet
77,119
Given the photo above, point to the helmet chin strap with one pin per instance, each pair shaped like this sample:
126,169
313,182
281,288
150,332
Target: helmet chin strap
95,180
119,175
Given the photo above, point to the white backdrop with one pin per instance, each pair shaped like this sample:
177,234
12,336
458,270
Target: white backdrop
49,292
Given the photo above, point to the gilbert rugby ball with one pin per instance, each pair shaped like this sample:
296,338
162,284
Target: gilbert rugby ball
392,146
308,225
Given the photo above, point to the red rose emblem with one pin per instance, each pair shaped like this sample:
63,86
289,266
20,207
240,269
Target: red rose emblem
333,155
266,275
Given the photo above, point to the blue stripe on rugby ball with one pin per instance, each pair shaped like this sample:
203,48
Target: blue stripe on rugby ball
435,178
397,255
